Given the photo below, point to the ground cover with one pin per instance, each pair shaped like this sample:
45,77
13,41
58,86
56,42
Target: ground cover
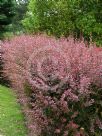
11,117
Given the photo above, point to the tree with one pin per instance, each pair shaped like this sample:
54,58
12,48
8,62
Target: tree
6,14
62,18
21,8
49,16
89,20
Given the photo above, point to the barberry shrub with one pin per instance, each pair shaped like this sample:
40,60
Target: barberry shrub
63,81
3,78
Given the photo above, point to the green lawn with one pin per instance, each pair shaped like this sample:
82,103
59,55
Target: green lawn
11,117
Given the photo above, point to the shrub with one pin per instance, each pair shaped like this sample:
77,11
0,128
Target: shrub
3,78
64,78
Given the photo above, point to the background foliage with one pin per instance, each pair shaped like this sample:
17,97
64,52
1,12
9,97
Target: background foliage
61,18
7,11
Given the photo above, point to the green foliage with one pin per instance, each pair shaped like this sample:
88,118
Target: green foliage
62,18
89,21
49,16
21,8
6,15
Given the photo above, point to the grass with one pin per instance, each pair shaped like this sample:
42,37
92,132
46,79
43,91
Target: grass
11,117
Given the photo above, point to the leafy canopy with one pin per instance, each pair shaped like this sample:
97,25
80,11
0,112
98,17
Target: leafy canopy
61,18
6,14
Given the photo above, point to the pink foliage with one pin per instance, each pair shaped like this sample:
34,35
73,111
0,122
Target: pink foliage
59,72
